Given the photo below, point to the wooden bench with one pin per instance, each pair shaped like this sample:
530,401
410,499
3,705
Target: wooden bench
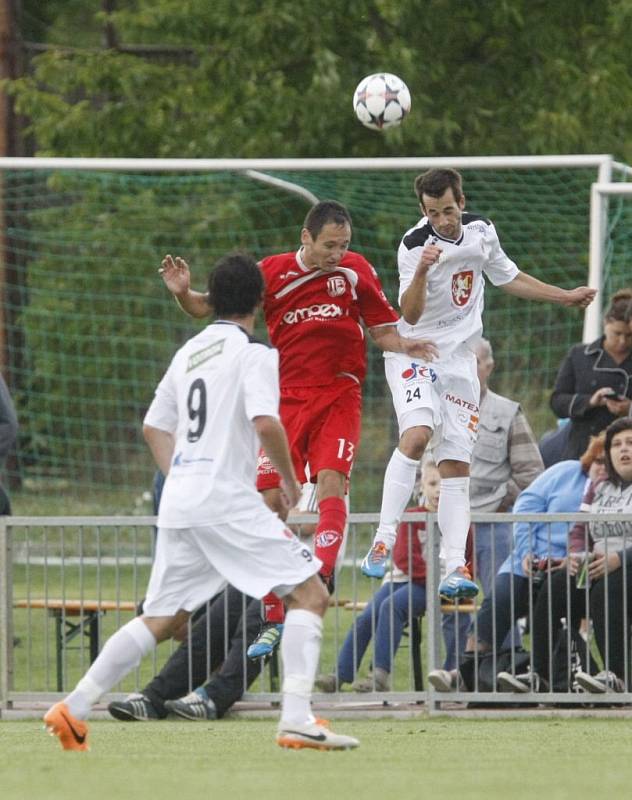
73,617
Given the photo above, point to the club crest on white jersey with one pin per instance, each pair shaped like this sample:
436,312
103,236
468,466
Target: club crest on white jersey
462,283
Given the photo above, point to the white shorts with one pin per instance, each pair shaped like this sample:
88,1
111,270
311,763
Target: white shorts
256,556
442,395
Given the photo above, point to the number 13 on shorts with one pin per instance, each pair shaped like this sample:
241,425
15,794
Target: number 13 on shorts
346,450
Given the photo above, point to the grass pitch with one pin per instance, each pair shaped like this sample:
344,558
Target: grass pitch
434,758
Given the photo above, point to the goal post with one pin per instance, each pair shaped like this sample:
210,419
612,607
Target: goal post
89,328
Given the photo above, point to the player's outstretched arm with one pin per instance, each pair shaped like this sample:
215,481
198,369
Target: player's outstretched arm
388,339
274,441
177,277
530,288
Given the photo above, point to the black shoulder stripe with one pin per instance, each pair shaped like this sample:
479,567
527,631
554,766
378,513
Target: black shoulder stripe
254,340
466,217
417,237
251,339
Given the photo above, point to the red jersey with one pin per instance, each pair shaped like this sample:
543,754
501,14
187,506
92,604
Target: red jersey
415,532
313,317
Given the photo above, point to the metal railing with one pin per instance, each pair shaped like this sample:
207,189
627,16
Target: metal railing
66,583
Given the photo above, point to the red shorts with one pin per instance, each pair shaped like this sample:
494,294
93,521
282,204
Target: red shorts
323,429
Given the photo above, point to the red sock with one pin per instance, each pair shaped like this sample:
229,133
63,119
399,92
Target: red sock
274,608
329,532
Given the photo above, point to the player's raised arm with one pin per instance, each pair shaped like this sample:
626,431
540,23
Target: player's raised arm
413,300
530,288
177,277
388,339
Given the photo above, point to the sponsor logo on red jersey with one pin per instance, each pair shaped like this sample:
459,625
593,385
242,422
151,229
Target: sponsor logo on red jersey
336,286
317,311
462,283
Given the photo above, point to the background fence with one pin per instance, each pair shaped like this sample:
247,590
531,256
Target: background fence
66,584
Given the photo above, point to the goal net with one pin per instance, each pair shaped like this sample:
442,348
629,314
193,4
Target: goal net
89,328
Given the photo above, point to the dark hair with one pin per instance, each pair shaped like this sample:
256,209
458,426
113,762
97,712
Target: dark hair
323,213
622,424
620,307
435,182
235,285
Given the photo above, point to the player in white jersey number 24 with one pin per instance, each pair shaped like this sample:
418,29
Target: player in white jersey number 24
442,262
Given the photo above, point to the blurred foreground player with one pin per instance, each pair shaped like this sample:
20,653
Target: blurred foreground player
215,406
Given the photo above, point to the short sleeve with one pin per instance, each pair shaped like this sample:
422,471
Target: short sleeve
500,269
261,381
163,411
375,308
407,262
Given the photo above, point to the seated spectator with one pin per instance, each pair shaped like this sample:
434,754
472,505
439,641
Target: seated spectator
594,382
604,591
559,489
398,599
505,461
231,618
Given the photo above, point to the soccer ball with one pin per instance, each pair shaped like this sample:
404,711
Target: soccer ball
381,101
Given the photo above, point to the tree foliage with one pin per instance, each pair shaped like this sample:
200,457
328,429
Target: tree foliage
251,79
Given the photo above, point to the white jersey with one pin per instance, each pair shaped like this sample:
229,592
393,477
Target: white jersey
455,288
217,383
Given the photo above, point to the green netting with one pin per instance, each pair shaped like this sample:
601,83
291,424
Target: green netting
90,328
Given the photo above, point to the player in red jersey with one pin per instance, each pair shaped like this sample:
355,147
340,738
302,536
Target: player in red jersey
314,303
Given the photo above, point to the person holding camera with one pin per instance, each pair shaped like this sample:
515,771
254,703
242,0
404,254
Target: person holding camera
594,382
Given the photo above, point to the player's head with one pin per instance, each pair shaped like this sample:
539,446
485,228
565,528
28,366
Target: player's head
617,329
484,360
326,235
235,286
441,198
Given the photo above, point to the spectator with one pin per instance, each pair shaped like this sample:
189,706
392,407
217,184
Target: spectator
606,547
593,385
505,461
398,598
557,490
8,435
215,648
608,578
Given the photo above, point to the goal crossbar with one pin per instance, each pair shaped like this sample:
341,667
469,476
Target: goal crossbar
602,162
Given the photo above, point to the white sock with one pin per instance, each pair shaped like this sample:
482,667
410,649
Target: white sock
454,520
121,653
399,482
300,649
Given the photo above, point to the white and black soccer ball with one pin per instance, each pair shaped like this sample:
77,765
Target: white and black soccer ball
381,101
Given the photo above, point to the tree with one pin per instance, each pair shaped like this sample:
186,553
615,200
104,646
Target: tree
242,78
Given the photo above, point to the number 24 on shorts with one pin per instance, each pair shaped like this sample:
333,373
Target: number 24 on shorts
413,394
